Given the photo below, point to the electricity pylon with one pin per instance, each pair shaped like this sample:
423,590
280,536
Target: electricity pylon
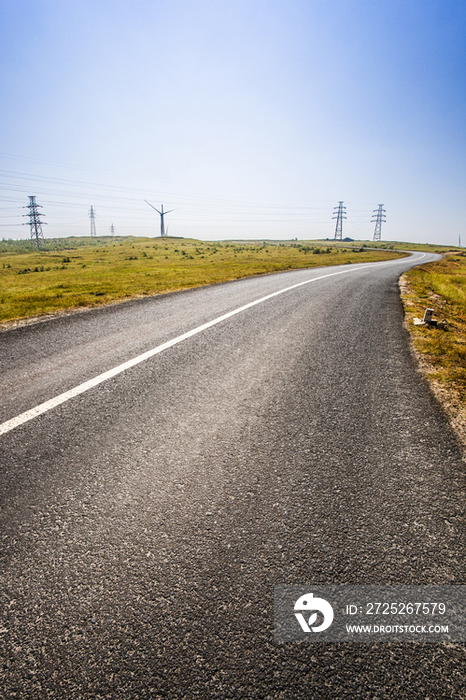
92,218
162,214
34,221
379,220
340,215
112,230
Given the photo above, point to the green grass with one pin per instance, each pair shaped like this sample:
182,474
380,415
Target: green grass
87,272
400,245
441,286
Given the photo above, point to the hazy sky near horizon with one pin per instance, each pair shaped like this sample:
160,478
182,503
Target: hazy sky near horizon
248,118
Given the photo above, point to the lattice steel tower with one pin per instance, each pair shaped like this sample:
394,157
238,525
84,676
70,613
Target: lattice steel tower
339,213
34,221
379,220
112,230
92,218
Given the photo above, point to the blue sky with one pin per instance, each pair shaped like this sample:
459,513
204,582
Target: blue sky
250,119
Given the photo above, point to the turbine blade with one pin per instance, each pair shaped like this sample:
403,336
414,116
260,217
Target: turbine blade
151,205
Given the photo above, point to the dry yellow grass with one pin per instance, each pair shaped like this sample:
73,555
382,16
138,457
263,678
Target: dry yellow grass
441,286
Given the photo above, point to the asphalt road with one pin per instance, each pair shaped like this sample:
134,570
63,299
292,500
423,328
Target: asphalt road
146,521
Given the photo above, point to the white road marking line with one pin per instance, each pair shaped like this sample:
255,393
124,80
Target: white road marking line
81,388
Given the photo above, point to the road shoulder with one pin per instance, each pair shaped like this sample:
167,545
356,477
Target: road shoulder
448,394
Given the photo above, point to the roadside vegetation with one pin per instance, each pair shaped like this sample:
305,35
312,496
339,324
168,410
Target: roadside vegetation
441,286
75,273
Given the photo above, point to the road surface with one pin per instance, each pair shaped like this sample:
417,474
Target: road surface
147,517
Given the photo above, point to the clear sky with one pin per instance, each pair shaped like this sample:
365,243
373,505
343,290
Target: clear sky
248,118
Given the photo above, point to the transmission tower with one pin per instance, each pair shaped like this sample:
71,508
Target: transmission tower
34,221
162,214
112,230
92,218
379,220
339,215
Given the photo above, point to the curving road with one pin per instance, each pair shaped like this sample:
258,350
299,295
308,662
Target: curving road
258,438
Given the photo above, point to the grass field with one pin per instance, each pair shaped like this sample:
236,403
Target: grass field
441,286
85,272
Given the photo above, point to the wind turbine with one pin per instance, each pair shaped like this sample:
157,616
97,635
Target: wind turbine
162,214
